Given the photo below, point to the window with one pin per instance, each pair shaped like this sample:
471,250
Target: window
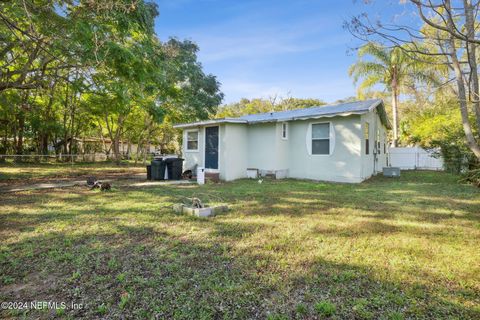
321,138
192,140
379,150
366,134
385,143
285,131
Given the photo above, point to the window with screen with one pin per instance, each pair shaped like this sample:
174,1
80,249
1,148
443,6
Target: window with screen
366,136
321,138
192,140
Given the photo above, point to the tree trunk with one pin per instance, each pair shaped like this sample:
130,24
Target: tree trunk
395,116
21,129
115,136
137,154
146,149
462,99
129,149
472,59
65,128
3,149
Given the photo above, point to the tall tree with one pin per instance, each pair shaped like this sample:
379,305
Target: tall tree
65,65
449,35
391,68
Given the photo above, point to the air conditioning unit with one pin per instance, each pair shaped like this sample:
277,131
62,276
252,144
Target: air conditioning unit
391,171
252,173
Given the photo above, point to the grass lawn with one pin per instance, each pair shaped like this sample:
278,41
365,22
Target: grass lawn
14,172
405,248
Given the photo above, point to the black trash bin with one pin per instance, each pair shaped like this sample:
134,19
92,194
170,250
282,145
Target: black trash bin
174,168
158,169
149,172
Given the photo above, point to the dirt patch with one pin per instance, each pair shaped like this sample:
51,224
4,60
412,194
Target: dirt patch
34,286
134,174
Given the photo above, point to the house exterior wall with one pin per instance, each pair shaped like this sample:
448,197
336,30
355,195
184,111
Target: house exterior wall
373,162
234,152
193,158
282,147
261,140
342,165
232,144
261,146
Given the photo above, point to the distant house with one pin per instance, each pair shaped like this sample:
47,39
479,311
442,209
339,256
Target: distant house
344,143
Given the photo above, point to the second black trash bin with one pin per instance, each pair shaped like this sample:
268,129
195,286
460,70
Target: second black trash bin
158,169
174,168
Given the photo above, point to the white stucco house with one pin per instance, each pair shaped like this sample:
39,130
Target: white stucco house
344,143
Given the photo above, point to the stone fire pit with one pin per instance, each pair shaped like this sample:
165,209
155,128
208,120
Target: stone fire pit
207,211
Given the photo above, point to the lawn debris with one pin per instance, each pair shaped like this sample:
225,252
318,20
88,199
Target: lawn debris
187,174
196,203
103,186
91,181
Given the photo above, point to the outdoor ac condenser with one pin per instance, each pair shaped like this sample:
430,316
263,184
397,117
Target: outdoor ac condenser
391,171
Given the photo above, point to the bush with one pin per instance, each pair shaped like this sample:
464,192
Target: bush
436,126
473,177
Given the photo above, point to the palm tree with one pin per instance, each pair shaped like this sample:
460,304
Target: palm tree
389,67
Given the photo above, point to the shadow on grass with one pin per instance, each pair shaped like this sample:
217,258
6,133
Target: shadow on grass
140,272
134,256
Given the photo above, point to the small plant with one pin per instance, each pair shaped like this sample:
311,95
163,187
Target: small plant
7,280
121,277
124,298
395,316
301,309
75,275
60,311
112,263
325,308
102,309
360,309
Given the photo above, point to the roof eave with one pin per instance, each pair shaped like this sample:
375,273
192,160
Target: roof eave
385,119
207,122
331,115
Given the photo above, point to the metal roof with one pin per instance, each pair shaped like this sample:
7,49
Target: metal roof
208,122
341,109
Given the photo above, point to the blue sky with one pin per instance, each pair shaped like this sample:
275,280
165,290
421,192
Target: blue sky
261,48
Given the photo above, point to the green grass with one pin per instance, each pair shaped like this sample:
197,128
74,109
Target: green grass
404,248
18,172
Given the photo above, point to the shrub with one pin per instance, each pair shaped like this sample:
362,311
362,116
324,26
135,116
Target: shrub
472,176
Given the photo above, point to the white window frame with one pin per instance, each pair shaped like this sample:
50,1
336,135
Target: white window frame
186,140
366,140
331,137
286,131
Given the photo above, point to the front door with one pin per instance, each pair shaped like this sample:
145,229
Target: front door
211,147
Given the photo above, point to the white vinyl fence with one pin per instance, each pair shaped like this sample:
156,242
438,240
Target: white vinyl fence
414,158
